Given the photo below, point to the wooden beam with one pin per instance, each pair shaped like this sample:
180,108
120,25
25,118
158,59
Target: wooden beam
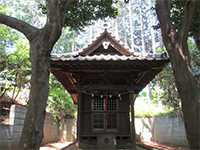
104,70
108,87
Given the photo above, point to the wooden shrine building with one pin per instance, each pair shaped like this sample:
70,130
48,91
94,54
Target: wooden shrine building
101,79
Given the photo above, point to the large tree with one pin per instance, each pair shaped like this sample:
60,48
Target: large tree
175,39
60,13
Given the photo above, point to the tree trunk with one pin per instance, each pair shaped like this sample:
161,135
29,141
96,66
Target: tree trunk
188,89
33,128
175,41
190,99
191,112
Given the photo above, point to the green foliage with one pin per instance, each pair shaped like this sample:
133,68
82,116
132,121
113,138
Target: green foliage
154,92
3,8
177,11
5,39
89,10
16,73
2,59
82,13
195,56
150,109
170,96
165,80
60,103
155,114
19,63
14,62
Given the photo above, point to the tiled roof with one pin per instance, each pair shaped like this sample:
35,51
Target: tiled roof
108,57
123,55
106,36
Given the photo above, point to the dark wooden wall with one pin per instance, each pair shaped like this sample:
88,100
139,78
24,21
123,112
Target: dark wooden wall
123,116
123,119
85,115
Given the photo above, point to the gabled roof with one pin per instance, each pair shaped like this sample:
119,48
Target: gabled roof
115,51
111,40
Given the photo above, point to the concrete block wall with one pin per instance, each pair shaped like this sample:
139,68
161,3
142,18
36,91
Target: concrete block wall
16,119
68,130
51,130
10,134
164,130
5,136
169,130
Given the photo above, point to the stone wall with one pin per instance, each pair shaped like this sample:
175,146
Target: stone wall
164,130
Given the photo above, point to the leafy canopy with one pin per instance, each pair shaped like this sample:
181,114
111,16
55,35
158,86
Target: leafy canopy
16,70
82,13
177,11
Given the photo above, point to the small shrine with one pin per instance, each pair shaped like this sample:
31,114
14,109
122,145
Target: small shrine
101,79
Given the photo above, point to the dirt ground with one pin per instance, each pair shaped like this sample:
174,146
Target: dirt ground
143,146
67,146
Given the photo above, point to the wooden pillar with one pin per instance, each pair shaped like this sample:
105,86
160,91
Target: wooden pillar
78,117
132,98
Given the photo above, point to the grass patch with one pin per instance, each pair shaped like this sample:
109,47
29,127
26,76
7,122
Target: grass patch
143,109
168,113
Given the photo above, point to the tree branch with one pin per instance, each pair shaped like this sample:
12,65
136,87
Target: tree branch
168,31
177,49
53,26
55,18
19,25
187,19
183,33
172,41
56,8
53,11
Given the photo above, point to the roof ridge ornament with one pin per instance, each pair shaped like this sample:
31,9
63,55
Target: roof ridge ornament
105,26
105,44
